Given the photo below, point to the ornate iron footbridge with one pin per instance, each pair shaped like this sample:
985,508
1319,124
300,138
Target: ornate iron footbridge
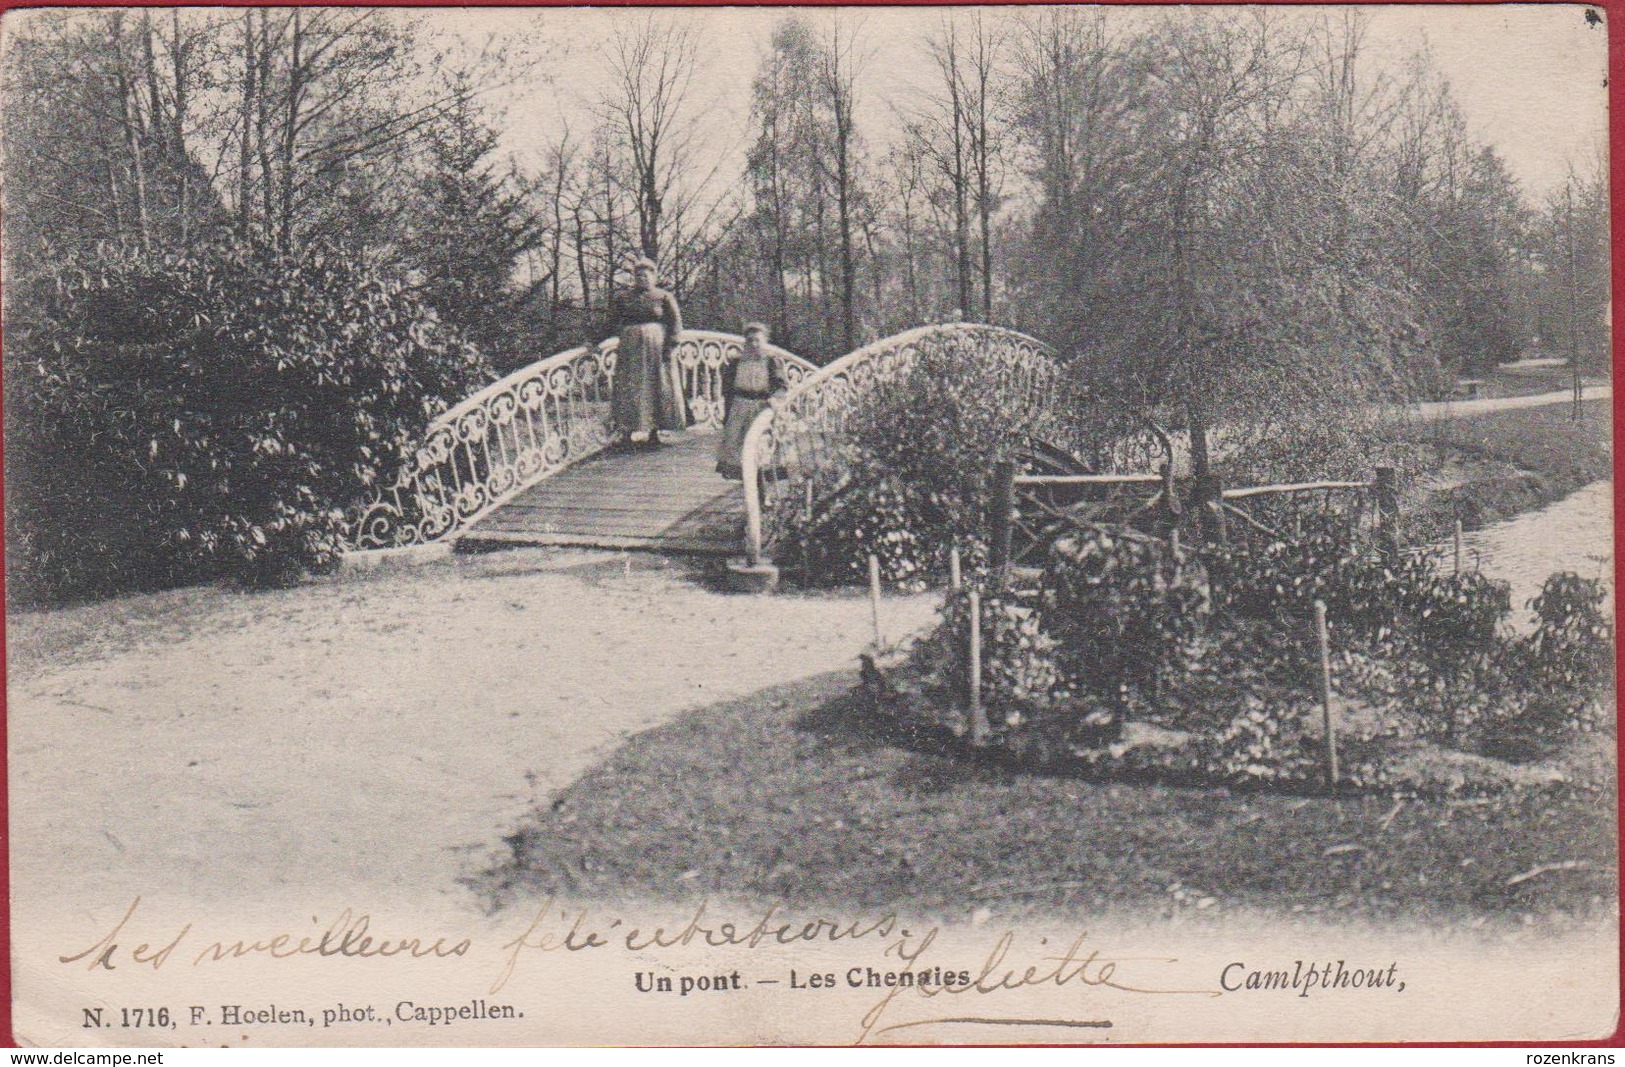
527,460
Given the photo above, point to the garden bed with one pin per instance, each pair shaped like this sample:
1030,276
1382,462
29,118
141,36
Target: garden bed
800,792
893,688
1128,657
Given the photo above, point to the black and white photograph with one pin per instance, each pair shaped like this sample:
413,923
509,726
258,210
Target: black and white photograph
1014,525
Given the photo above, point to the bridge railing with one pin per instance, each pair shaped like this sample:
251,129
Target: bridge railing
524,427
793,452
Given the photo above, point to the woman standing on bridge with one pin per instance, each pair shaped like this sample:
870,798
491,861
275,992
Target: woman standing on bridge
749,384
647,395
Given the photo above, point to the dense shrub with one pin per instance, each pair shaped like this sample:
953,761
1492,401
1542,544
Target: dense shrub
899,522
1021,674
1328,442
1567,664
1573,643
1264,744
1429,644
1372,596
1122,626
183,418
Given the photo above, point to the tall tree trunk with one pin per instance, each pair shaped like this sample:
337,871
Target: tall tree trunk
133,137
1196,422
290,132
781,289
839,83
262,138
556,252
155,103
982,144
985,210
960,181
649,213
609,235
180,158
849,317
115,197
581,259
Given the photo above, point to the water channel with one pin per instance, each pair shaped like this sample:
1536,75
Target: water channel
1573,534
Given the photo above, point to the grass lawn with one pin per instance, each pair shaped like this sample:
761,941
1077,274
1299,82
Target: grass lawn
1544,440
797,793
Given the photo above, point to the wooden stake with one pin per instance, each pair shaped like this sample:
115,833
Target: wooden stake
978,722
1326,695
1458,546
1387,491
1210,499
874,595
953,567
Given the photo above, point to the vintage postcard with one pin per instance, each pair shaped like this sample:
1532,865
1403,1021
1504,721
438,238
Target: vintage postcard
1019,525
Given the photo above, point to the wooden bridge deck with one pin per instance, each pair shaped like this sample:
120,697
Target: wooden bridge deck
670,498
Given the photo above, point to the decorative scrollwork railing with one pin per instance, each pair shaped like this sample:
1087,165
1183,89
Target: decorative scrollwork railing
527,426
794,451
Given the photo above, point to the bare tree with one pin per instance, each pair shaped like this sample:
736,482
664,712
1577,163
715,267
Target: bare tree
806,176
942,129
839,70
983,72
561,163
771,174
652,63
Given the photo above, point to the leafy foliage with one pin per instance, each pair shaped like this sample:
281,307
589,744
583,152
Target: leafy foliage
1220,648
470,226
1126,606
883,516
183,418
918,458
1313,442
1574,640
1569,659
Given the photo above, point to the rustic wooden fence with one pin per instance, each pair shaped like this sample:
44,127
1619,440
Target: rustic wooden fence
1031,511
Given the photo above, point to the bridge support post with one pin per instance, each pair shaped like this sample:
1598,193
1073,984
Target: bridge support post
1004,506
747,577
755,573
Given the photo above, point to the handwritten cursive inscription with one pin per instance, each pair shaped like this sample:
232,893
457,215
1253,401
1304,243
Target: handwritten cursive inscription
1077,966
102,953
919,964
555,929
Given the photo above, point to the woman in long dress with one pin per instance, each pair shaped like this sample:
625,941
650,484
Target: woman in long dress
749,384
647,397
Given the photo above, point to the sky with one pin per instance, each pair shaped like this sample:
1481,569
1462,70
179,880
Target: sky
1529,77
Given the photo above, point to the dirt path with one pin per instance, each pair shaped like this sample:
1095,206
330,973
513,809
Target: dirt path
375,734
1455,408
